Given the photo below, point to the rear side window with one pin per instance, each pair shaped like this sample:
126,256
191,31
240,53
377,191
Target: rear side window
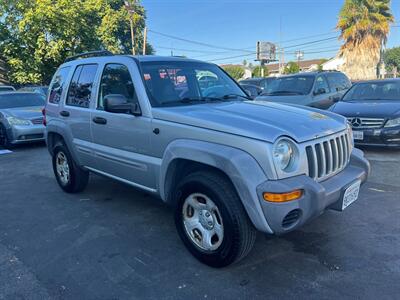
116,79
338,82
80,89
57,85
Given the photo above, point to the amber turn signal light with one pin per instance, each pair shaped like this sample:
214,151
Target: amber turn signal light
283,197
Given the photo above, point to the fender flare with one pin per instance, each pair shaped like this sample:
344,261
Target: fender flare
240,167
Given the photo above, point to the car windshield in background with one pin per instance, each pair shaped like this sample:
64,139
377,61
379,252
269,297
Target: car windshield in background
294,85
384,90
14,100
177,83
6,89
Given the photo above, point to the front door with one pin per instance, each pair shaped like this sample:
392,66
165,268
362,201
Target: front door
121,140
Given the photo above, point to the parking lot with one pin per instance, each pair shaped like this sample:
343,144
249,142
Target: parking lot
114,242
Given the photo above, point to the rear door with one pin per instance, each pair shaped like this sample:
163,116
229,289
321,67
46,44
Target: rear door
76,111
122,140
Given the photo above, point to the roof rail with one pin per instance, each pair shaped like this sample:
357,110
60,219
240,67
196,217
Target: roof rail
89,54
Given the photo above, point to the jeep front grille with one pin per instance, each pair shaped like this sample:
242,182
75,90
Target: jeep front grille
328,156
364,123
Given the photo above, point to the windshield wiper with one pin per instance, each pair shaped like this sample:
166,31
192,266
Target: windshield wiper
282,92
232,96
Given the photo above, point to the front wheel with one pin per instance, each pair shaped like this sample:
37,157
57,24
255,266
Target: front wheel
211,220
70,177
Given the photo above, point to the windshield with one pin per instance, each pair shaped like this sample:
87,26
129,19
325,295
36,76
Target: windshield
294,85
183,83
21,100
385,90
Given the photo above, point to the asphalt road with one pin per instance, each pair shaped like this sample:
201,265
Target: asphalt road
114,242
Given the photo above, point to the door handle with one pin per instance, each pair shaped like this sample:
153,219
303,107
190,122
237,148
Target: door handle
100,120
64,113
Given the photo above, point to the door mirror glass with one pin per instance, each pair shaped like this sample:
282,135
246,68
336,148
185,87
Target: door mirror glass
118,103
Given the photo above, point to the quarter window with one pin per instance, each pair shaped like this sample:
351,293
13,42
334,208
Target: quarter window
80,89
116,79
338,82
57,85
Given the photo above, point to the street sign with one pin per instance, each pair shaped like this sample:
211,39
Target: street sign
266,51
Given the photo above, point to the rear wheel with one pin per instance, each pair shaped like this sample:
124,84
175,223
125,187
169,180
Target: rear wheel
4,141
211,220
70,177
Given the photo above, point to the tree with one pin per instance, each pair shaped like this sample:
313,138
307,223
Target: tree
364,26
244,62
236,72
320,65
257,71
37,35
291,68
392,59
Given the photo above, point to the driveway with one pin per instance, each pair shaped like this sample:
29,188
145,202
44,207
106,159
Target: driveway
114,242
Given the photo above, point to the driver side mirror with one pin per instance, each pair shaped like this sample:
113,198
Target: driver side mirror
320,91
118,103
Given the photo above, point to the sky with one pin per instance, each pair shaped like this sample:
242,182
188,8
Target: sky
226,31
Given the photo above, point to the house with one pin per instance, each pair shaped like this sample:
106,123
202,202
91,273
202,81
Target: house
305,66
333,64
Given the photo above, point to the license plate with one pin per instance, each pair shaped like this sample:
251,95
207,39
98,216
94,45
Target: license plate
358,135
351,194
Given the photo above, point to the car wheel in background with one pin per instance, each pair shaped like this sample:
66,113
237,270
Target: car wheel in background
4,140
70,177
211,220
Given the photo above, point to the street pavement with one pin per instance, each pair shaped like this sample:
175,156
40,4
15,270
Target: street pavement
114,242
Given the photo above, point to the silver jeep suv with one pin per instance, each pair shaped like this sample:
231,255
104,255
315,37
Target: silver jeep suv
227,165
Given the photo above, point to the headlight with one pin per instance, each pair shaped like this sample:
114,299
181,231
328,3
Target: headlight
16,121
284,154
393,122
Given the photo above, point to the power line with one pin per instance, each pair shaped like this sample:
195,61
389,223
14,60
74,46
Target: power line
195,42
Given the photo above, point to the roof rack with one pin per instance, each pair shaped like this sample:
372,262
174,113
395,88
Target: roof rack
89,54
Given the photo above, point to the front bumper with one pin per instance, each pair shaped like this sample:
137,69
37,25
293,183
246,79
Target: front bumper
25,134
317,197
384,137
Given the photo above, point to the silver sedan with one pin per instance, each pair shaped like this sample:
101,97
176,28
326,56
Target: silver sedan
21,118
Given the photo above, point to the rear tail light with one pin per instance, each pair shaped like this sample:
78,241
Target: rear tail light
44,116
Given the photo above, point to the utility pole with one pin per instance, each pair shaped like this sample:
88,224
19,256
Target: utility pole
299,56
144,40
131,10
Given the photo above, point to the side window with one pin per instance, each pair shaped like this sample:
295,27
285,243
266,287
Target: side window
80,89
321,85
57,85
116,79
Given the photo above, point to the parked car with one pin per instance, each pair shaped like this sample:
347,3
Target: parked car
373,110
315,89
6,88
252,90
262,82
35,89
227,166
21,118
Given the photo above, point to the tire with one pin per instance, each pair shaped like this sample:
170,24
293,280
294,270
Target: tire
229,217
4,140
77,179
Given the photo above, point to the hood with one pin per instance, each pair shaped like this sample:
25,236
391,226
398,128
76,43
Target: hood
26,113
292,99
256,119
372,109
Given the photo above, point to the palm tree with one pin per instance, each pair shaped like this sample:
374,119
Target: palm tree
364,26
